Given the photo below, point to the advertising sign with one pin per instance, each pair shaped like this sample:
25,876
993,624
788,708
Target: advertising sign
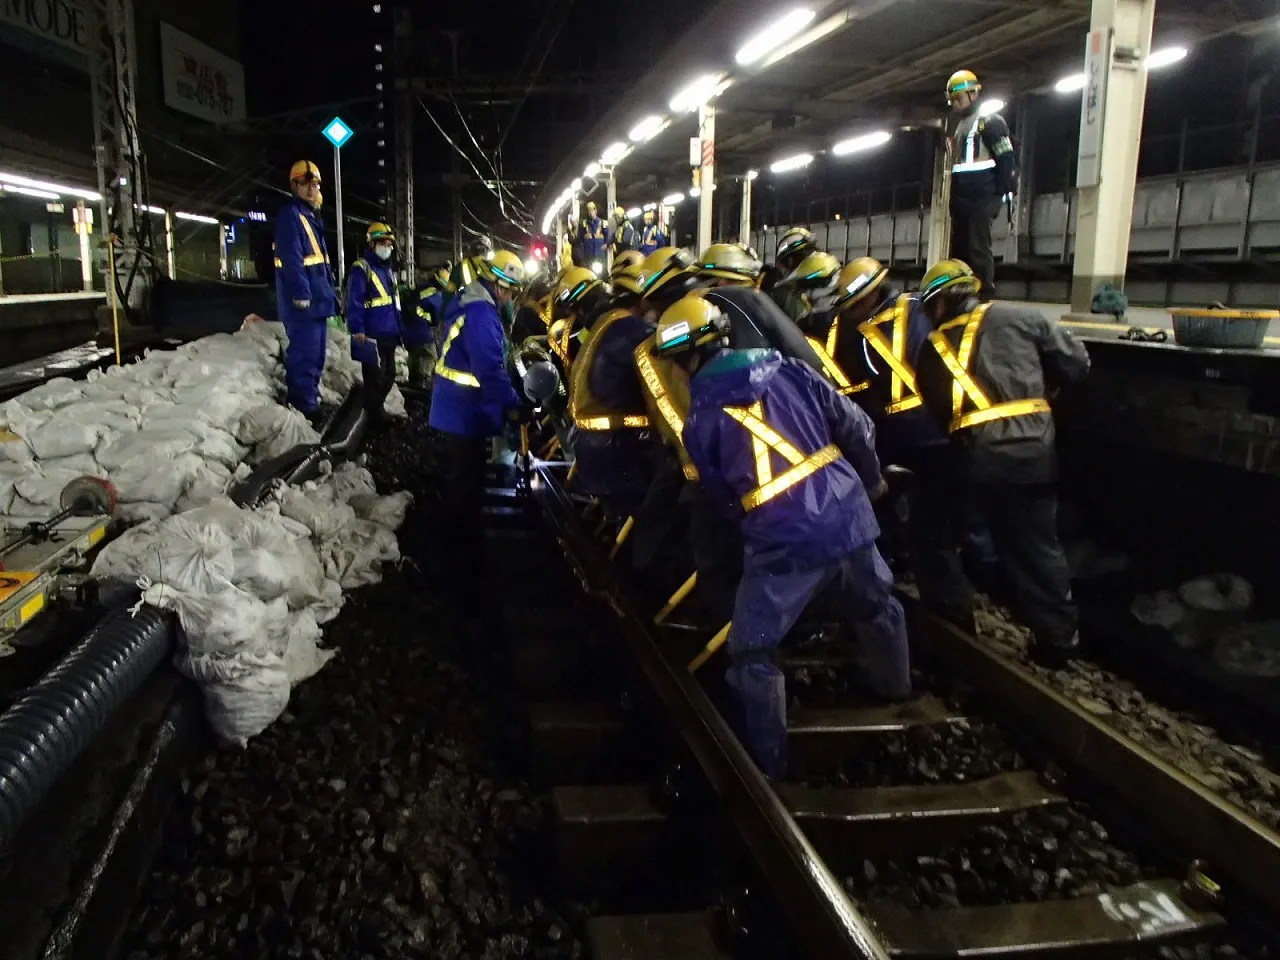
199,80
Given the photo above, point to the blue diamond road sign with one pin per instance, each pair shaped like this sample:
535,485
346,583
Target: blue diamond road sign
337,132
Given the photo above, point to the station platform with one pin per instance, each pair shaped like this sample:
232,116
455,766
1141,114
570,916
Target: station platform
1101,327
34,325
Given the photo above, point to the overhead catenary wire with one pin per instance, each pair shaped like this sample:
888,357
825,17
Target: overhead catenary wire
533,77
516,204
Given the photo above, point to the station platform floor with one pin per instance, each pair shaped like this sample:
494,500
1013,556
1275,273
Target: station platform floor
1102,327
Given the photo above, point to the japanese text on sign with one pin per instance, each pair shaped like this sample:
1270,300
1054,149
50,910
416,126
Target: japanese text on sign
199,80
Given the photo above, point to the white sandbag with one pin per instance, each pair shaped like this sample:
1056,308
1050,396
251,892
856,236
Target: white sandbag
242,695
134,513
228,622
317,510
184,555
82,463
145,480
65,436
52,394
347,481
354,558
394,405
209,483
303,656
10,474
388,511
155,445
272,430
42,485
13,448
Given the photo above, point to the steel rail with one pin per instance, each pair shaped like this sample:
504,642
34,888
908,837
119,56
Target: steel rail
826,921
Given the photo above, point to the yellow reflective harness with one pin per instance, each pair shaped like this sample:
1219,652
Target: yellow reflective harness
895,355
581,402
827,354
957,363
383,299
660,396
764,441
460,377
316,256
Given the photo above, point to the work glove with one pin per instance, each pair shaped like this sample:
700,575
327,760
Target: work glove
302,304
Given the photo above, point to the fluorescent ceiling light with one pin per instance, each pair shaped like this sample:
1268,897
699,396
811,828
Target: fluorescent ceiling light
1070,84
774,35
697,93
576,186
868,141
614,152
21,181
159,210
197,217
651,206
812,35
792,163
988,107
633,213
592,170
695,192
31,192
1166,57
646,129
752,174
672,199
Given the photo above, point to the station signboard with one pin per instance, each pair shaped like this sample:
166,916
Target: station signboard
199,80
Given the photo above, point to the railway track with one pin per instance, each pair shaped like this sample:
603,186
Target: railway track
892,837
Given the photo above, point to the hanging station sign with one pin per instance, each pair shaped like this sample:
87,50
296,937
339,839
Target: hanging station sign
199,80
56,29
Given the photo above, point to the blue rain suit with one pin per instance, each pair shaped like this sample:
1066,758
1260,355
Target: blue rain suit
774,441
303,276
419,328
373,309
651,238
472,391
593,235
616,465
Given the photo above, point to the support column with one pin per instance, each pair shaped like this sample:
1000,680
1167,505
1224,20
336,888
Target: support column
405,108
86,246
707,174
1110,131
744,219
222,250
170,248
610,201
940,200
1018,243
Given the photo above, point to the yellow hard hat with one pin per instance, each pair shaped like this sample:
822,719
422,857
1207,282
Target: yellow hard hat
690,322
625,276
954,275
304,171
665,270
963,81
575,284
379,231
795,240
729,261
503,268
816,270
857,281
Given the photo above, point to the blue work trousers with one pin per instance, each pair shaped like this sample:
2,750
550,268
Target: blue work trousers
767,607
304,362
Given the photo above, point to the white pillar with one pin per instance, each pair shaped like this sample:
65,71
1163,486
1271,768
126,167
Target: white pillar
707,174
337,204
222,250
86,246
170,249
744,220
940,202
1110,131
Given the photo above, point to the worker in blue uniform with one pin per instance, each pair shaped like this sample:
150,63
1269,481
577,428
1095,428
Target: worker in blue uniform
305,296
473,399
373,316
986,381
777,445
624,232
875,334
652,236
421,325
593,235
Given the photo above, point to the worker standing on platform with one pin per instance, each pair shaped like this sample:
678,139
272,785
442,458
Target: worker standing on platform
875,336
593,235
986,382
652,236
472,398
624,232
373,316
305,296
984,176
779,447
420,327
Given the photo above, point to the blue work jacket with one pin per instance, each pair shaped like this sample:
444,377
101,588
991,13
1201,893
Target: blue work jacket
651,238
823,516
420,327
302,264
593,234
472,390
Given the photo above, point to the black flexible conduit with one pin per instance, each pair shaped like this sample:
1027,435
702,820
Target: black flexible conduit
44,732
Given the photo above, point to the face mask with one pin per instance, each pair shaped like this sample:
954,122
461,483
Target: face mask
382,253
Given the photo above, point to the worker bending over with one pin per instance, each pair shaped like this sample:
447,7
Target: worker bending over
776,444
986,382
421,325
305,295
373,316
472,397
793,246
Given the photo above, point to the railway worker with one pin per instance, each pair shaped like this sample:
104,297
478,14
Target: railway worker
472,397
652,236
624,232
984,175
373,316
533,314
776,444
579,299
467,270
305,296
420,327
985,381
593,236
793,246
876,334
808,288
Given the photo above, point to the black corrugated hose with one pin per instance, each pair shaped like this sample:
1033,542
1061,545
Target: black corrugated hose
44,732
